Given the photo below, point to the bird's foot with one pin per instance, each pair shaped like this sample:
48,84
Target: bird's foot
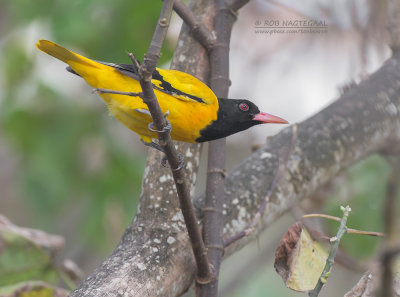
181,162
157,146
143,111
108,91
154,145
167,127
164,160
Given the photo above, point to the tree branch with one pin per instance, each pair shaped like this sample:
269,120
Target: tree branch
363,121
145,74
390,247
257,218
332,253
199,31
154,256
136,266
219,82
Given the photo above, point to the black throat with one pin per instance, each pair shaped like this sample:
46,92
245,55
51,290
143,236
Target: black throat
230,120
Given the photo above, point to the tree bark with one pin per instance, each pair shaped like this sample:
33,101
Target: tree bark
154,256
365,120
133,268
214,192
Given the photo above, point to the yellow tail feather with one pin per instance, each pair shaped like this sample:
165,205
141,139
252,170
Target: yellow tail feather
63,54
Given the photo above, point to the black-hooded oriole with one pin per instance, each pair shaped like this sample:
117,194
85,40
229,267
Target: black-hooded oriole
195,113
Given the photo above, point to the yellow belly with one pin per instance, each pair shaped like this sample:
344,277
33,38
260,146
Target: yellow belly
186,118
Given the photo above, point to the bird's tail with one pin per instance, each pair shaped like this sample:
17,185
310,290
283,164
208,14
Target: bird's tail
72,59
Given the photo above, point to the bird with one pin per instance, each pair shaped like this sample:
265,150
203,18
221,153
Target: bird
194,112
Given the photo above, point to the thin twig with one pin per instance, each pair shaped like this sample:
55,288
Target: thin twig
349,230
321,215
108,91
145,73
197,28
219,82
369,233
281,168
332,253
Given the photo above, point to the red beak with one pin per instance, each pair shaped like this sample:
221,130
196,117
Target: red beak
269,118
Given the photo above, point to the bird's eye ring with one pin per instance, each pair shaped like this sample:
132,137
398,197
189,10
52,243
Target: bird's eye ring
243,107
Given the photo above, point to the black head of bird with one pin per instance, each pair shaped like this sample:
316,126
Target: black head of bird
235,115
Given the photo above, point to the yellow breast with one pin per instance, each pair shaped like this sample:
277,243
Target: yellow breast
187,118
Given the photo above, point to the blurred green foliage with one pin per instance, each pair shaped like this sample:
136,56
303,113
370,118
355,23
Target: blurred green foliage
55,137
104,29
69,157
22,260
363,187
32,289
28,265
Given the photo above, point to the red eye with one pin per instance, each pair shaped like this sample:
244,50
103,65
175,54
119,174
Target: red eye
243,106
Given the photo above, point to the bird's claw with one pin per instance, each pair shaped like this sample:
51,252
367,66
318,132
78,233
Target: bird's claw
167,128
164,162
154,145
143,111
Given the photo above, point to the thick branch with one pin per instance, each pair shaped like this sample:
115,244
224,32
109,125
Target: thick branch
363,121
158,229
199,31
154,257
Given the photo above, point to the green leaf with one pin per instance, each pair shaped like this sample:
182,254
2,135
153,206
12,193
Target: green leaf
21,259
300,259
27,254
32,289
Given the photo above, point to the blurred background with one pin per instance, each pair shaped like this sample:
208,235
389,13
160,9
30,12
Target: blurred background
68,168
